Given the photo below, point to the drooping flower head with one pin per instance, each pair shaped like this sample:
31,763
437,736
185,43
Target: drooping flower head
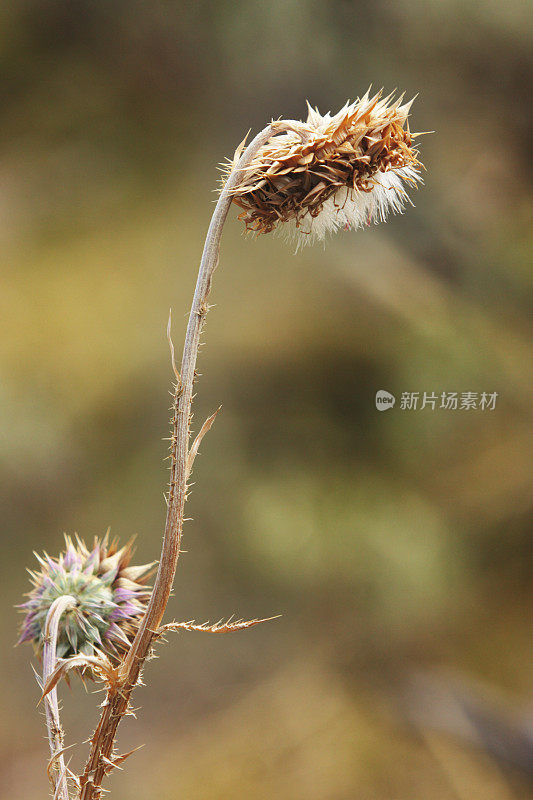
111,596
341,171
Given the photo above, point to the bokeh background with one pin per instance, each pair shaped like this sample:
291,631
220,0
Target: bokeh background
397,546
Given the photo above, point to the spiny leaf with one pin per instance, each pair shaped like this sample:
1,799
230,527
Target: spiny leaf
218,627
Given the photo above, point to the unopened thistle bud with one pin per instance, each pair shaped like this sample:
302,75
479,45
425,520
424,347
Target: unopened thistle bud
110,598
341,171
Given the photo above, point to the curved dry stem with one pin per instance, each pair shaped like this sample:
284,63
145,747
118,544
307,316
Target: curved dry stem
117,702
57,769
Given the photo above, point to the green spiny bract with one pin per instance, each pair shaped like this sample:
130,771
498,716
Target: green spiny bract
110,595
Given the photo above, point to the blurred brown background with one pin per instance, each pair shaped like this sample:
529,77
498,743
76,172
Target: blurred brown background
395,545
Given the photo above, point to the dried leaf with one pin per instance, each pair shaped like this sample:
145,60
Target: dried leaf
172,354
52,762
109,765
117,760
100,665
38,678
240,148
197,442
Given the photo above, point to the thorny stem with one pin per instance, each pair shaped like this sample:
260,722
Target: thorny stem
117,701
53,723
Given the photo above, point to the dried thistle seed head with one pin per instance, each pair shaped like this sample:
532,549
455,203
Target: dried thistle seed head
111,596
344,171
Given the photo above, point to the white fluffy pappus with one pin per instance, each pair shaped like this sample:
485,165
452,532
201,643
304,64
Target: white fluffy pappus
351,209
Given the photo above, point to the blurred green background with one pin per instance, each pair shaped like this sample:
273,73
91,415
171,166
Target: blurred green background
397,546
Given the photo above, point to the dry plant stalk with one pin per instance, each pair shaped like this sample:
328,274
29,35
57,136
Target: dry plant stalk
57,770
90,611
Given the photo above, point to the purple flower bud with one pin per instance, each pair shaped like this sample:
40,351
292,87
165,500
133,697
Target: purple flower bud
107,611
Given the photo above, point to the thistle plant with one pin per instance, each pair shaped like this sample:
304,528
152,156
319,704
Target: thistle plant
90,611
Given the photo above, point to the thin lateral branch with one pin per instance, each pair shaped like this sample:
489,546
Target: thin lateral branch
118,701
218,627
53,722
